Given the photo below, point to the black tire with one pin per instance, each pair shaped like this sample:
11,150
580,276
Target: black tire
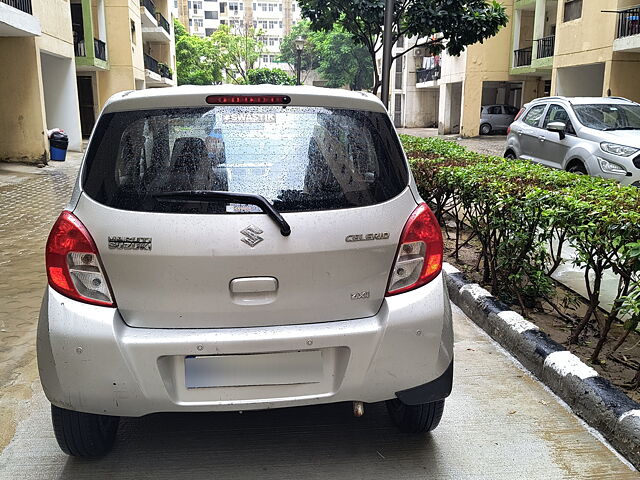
577,168
84,435
485,129
415,418
510,155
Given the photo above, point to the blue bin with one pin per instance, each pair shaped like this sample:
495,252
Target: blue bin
58,154
58,143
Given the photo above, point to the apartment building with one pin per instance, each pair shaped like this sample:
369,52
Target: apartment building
273,17
120,45
64,58
549,47
37,78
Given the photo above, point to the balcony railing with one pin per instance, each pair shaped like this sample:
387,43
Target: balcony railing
427,74
100,49
149,5
163,22
545,46
22,5
522,57
628,22
152,64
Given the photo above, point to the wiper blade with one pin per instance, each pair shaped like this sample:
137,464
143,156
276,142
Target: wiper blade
217,196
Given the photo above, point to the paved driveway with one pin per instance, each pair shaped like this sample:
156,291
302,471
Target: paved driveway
499,422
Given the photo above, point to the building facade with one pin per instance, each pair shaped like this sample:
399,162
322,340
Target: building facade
273,17
549,47
64,59
37,78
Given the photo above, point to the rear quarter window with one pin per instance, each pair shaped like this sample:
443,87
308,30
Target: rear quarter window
298,158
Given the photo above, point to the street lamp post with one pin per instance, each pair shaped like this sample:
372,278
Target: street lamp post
387,45
299,44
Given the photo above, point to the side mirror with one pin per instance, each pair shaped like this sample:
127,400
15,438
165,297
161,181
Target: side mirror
559,127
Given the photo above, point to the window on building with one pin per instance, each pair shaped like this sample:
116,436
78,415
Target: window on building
233,7
175,3
400,42
211,15
280,7
254,6
189,5
293,7
223,22
198,22
572,10
190,22
223,7
133,32
280,24
399,66
533,117
209,31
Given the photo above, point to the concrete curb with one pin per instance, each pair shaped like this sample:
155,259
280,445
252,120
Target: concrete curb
590,396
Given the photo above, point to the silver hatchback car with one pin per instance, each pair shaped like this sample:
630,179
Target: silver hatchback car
237,248
590,136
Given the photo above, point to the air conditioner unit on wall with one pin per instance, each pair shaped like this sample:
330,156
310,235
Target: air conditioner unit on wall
418,52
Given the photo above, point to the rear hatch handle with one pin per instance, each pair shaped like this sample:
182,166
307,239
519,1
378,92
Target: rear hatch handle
217,196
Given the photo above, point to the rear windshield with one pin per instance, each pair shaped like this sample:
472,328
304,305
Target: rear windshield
298,158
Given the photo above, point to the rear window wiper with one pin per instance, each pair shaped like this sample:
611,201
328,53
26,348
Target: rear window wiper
217,196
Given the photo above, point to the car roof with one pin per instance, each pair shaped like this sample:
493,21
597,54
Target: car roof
585,100
195,96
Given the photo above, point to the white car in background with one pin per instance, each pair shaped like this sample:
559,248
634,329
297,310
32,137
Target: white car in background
590,136
239,248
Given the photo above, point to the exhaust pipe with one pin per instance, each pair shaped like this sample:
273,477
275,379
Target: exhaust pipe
358,409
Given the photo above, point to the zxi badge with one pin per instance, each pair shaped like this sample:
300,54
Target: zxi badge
252,234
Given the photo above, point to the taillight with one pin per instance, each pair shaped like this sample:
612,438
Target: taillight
249,99
419,258
73,264
508,129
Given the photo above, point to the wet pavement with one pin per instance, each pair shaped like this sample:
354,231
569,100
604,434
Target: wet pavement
499,423
487,144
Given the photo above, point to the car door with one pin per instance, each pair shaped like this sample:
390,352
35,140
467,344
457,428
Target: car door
552,148
529,133
494,115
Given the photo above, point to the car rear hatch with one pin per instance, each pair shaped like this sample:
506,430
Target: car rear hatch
179,255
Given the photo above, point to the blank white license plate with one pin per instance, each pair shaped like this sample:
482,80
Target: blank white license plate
287,368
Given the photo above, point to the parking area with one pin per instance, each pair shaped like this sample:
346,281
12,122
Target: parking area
499,423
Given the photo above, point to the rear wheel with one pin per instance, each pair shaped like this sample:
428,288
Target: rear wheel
510,155
83,434
485,129
415,418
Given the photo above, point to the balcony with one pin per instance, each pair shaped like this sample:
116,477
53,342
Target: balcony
546,46
99,49
427,77
157,74
522,57
90,52
22,5
628,31
155,27
16,19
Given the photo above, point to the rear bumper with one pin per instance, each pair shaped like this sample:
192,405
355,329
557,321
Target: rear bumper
91,361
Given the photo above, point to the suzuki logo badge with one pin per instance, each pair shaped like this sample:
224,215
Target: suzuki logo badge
252,234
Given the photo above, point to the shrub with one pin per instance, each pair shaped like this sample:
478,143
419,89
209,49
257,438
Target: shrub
523,213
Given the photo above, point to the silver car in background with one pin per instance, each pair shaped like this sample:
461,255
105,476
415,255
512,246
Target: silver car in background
496,118
591,136
242,248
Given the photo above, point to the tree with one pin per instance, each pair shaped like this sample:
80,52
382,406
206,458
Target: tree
240,52
436,24
343,62
338,59
272,76
198,60
309,58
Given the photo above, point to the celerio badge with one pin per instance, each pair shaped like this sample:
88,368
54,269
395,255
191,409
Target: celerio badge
364,237
252,235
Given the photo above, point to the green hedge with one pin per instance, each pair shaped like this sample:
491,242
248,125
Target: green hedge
523,213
